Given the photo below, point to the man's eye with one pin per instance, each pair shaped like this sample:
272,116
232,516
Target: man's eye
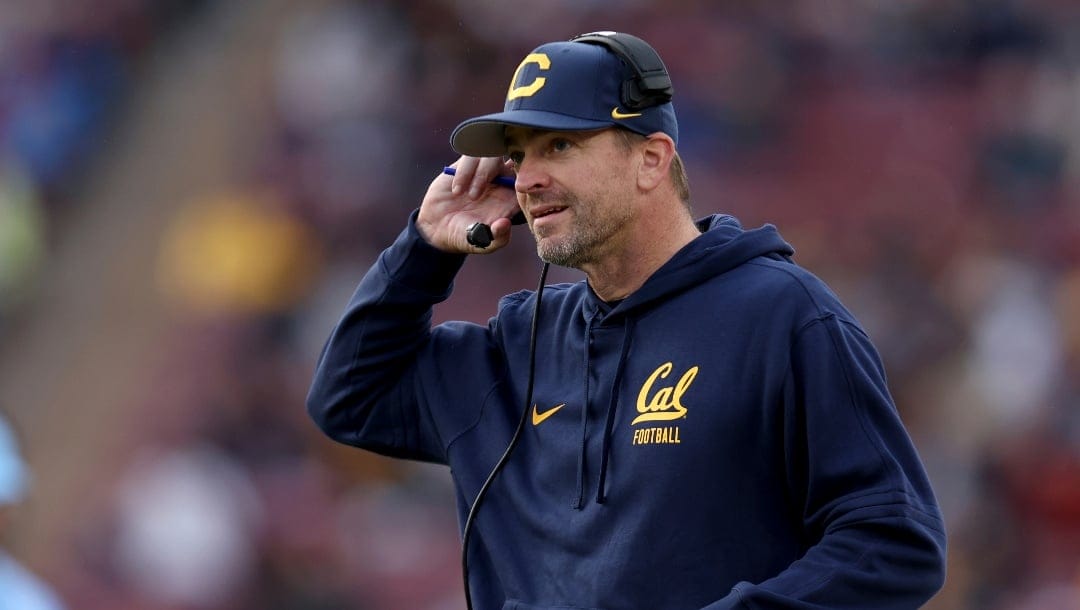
560,144
515,157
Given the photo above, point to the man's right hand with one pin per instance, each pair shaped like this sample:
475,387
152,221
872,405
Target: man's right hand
453,203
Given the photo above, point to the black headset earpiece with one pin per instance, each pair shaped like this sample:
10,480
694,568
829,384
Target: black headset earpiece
650,85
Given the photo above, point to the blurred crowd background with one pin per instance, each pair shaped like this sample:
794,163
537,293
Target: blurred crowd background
190,190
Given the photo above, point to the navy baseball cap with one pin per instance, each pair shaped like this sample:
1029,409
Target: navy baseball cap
571,86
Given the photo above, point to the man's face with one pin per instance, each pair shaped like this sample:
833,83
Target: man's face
575,189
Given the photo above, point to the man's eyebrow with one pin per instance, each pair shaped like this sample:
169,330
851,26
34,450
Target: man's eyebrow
526,133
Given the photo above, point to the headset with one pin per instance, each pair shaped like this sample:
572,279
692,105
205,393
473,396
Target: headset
650,85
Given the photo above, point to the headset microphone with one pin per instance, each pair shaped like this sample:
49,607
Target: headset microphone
479,234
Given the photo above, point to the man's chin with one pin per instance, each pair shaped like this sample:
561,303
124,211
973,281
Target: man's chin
557,252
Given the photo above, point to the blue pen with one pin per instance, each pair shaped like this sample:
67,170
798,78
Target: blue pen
507,181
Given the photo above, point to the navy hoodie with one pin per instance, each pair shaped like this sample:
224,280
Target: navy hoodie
722,438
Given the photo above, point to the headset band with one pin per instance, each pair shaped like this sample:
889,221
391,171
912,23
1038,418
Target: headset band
651,84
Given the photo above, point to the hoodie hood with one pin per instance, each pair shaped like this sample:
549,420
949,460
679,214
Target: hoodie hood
722,246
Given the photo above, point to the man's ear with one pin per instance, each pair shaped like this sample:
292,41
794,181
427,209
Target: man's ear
656,152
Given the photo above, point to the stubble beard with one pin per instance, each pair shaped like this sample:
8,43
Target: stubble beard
588,232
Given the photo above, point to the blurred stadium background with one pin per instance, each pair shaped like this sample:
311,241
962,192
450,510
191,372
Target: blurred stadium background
189,190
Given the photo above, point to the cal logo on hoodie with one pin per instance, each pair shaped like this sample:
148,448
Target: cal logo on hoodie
660,402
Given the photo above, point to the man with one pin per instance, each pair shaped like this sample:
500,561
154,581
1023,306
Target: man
707,426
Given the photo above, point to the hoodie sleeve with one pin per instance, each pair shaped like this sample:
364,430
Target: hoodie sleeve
368,387
875,536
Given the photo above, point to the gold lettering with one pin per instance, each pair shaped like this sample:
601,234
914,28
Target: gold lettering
668,435
539,59
661,400
666,403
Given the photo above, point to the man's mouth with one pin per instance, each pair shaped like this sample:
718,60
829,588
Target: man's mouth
541,212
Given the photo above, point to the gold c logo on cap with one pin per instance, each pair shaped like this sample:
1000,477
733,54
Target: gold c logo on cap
541,60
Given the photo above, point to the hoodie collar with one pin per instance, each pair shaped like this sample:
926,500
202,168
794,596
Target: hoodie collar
722,246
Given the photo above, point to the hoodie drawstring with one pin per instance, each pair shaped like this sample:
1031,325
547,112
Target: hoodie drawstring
601,494
579,501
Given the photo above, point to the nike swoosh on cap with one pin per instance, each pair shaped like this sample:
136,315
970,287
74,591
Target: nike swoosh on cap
615,114
538,418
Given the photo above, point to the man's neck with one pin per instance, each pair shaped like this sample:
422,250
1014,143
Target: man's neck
618,274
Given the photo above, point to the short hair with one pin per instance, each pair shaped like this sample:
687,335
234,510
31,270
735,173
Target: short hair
677,172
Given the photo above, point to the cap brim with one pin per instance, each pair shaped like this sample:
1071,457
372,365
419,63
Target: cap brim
484,136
